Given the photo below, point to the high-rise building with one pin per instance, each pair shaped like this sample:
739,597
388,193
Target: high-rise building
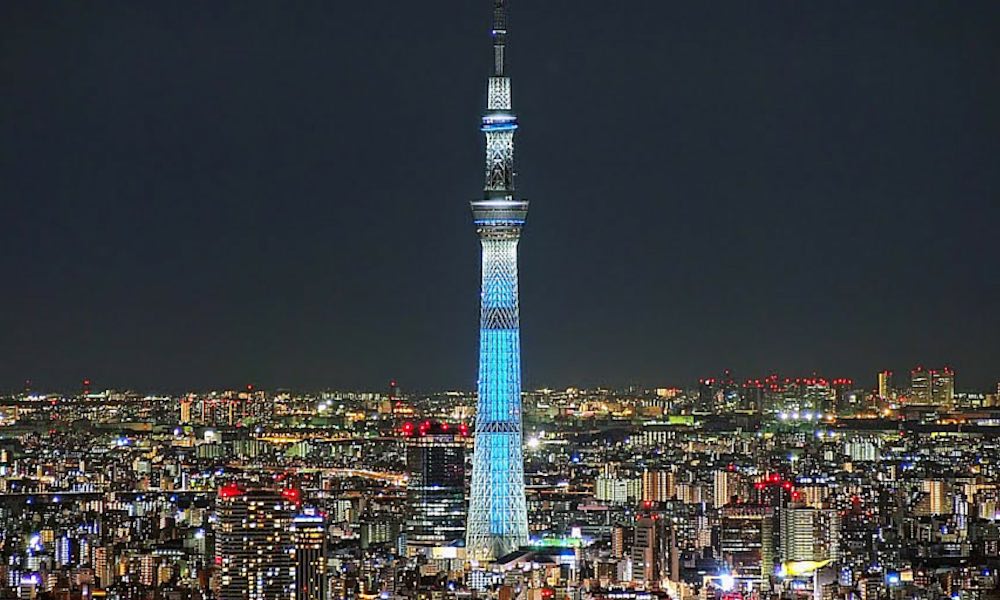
943,388
797,531
435,462
309,542
498,519
936,498
746,540
649,550
884,384
920,386
706,395
725,486
617,490
658,485
932,387
185,416
254,544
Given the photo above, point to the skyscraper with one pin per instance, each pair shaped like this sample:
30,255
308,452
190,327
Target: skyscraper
435,462
920,386
933,386
746,540
884,384
649,551
309,539
498,521
254,545
797,532
943,388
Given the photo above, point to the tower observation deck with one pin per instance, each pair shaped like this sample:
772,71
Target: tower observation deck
498,521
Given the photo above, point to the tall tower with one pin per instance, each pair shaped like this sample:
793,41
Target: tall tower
498,520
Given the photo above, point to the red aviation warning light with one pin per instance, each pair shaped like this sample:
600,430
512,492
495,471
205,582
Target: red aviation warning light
426,428
229,491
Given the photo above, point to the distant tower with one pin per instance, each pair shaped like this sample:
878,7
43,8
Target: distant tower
884,384
920,386
186,403
498,520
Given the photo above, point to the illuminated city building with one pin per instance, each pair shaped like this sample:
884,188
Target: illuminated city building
614,488
920,386
935,500
658,485
254,544
649,550
773,491
309,542
746,540
435,463
808,534
885,385
706,396
725,486
185,416
932,387
943,388
498,520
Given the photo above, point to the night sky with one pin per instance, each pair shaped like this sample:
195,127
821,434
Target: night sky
207,194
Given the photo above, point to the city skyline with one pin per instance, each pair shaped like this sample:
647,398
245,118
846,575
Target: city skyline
759,350
798,189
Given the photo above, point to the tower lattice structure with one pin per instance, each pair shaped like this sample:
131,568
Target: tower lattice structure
498,520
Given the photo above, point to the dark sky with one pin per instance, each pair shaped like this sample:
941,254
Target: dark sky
204,194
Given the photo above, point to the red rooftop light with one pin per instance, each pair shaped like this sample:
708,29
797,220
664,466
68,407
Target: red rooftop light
410,429
230,490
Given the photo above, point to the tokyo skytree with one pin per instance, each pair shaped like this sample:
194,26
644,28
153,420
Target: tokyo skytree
498,520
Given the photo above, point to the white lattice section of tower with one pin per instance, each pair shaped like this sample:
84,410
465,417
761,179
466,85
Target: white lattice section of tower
498,94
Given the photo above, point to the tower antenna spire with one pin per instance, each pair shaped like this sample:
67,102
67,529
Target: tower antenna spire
499,36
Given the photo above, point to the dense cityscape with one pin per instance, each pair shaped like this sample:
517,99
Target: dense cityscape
733,488
738,486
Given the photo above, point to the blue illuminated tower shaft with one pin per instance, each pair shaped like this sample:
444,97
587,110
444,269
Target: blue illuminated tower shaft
498,520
